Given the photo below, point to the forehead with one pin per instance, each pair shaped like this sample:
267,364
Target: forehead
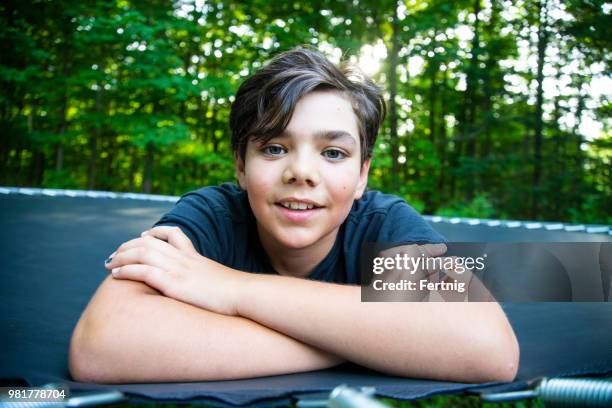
323,111
325,135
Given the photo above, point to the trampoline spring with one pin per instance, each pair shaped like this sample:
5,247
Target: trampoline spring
572,392
345,397
31,404
563,392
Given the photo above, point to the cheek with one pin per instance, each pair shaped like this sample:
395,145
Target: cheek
343,189
260,182
258,188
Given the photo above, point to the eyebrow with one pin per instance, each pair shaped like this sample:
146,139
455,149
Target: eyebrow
329,135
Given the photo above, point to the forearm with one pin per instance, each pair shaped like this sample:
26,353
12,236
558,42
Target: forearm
128,335
469,342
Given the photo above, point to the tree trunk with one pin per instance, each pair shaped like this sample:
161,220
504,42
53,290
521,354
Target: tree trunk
487,104
63,106
59,148
59,157
470,102
91,170
134,162
392,105
538,122
557,161
432,103
18,163
442,142
433,92
147,180
93,144
577,174
5,149
37,168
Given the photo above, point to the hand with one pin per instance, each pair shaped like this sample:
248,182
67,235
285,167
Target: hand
446,269
165,259
404,272
475,291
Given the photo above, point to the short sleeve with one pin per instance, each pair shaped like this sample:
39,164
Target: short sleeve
200,221
404,225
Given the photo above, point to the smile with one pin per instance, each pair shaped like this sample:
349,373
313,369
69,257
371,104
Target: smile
297,206
300,205
298,212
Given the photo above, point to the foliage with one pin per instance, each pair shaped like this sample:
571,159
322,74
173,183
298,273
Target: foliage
479,207
488,101
439,401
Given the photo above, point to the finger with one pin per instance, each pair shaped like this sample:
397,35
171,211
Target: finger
173,236
415,260
139,255
433,250
458,269
414,250
145,242
151,275
447,266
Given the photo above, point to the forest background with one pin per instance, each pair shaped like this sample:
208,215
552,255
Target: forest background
497,109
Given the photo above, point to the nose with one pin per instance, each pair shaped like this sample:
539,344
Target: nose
301,169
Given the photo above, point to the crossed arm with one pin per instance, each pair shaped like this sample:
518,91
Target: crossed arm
149,324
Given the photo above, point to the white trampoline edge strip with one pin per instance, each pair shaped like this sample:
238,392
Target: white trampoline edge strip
53,192
531,225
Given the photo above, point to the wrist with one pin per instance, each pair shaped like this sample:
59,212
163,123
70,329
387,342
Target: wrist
243,287
219,288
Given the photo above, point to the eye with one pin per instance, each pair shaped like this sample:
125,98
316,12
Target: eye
274,150
334,154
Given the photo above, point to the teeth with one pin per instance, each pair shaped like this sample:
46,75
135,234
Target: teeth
297,206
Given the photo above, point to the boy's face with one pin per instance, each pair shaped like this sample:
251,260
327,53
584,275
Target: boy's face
315,165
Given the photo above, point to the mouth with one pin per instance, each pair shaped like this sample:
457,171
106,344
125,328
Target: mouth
298,205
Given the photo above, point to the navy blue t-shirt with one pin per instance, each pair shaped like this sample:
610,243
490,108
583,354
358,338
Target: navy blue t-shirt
220,223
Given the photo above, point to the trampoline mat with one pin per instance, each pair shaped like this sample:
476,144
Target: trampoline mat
51,264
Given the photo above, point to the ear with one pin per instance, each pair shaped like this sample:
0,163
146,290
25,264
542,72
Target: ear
240,174
363,178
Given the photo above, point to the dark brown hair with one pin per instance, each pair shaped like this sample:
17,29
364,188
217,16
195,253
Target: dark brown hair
265,102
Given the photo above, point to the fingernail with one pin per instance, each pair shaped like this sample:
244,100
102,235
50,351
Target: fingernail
115,270
110,258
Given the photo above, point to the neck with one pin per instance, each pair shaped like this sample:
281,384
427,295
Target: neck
296,262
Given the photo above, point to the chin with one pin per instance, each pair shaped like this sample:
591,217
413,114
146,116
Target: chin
296,241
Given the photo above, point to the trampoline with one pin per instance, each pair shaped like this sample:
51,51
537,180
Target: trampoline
54,242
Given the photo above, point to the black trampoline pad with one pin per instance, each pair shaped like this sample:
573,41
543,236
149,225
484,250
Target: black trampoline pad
52,255
53,251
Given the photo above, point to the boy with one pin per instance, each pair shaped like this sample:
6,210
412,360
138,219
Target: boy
261,278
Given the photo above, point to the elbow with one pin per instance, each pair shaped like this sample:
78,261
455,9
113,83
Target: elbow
502,368
500,362
510,362
80,370
85,355
95,354
79,364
